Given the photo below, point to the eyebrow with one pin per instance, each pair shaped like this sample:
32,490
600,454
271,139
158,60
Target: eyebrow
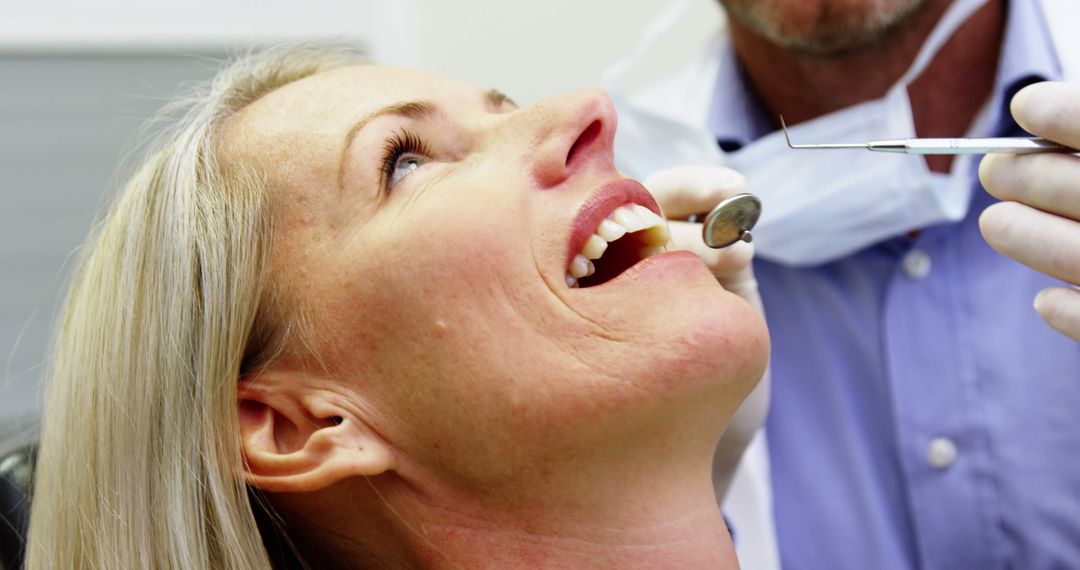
418,109
496,98
408,109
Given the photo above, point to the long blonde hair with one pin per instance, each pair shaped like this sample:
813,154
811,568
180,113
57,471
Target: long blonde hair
140,463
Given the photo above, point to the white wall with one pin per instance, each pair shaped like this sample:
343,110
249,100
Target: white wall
78,76
532,50
137,26
528,49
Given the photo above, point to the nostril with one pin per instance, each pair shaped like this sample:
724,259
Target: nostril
584,140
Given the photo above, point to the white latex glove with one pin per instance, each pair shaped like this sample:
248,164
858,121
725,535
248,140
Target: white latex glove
1038,223
688,190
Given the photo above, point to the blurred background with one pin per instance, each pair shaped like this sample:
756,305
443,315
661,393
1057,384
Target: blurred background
77,77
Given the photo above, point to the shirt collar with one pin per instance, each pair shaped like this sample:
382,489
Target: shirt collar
1027,56
736,115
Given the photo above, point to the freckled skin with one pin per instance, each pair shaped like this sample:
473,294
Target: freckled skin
442,306
469,240
440,329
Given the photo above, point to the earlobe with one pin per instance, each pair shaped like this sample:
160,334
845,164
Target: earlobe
297,440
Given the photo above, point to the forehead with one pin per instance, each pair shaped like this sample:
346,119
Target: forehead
351,91
305,122
356,87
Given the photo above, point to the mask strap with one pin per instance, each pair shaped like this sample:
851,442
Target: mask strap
954,17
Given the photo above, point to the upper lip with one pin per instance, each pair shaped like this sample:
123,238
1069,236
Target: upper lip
600,204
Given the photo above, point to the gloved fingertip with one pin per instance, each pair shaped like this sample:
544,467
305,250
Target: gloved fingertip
1028,104
1048,109
1041,301
999,227
733,181
1022,99
742,247
988,167
1060,308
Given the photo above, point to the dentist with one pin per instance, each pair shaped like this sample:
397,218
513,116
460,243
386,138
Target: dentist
922,413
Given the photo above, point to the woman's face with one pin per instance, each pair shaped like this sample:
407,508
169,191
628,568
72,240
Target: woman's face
427,227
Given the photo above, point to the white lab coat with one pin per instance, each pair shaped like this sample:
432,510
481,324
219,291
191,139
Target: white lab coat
664,125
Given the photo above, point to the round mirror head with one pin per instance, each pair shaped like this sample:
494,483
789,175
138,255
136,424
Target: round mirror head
731,221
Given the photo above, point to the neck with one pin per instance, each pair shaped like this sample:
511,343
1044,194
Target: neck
945,97
641,536
627,520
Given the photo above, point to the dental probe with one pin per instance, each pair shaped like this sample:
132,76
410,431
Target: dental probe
1011,145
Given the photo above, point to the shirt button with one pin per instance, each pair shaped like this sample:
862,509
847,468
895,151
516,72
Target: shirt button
941,452
916,264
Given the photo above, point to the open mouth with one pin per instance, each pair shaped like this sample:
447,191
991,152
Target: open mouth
628,235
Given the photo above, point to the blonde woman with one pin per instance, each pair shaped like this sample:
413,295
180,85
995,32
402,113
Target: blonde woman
358,316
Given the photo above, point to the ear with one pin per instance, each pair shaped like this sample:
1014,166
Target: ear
299,439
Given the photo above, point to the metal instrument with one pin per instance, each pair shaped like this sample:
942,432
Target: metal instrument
1010,145
731,221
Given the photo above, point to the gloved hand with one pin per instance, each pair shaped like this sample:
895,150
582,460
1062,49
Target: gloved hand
1038,223
689,190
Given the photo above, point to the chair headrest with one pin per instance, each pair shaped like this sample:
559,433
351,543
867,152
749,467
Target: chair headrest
16,476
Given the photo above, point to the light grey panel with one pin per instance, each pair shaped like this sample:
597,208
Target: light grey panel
64,122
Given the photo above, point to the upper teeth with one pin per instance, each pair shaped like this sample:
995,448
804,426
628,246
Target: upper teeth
624,220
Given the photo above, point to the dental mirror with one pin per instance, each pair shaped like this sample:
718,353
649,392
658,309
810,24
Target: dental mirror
731,221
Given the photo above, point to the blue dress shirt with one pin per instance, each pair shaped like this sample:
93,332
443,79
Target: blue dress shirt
923,415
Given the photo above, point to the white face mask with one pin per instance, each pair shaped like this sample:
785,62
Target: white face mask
823,205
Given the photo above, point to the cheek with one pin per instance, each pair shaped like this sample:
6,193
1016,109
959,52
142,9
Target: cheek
398,291
418,310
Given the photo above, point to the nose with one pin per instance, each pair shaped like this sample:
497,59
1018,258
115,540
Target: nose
574,132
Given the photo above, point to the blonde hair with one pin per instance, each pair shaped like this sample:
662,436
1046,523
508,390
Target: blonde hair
140,462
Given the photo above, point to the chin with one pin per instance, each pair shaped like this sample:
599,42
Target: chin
725,341
711,349
822,27
699,372
699,338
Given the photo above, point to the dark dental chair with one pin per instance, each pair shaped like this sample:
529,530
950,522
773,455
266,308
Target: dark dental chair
16,474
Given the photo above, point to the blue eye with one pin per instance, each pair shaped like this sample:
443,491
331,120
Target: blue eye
403,166
405,152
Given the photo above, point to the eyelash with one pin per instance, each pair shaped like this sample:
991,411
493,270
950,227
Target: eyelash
403,142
